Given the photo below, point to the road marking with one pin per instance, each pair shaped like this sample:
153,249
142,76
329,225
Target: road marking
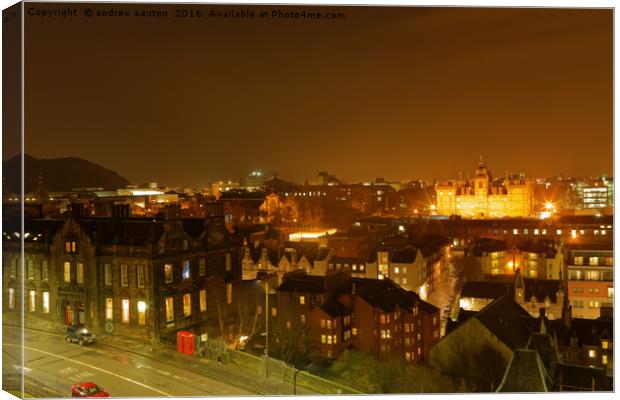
95,368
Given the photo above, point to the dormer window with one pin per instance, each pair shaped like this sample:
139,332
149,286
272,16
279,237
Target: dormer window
71,246
604,344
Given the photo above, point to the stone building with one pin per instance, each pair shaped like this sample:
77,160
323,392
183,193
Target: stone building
484,197
138,277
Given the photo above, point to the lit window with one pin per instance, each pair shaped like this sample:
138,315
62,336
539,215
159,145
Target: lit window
46,302
228,261
67,272
329,324
186,269
187,304
302,299
169,309
168,273
515,231
604,359
140,276
329,339
11,298
274,312
202,266
80,273
322,323
259,310
593,260
142,313
354,331
229,293
592,353
559,231
396,270
107,272
124,277
323,339
125,314
605,344
31,301
203,300
109,310
302,318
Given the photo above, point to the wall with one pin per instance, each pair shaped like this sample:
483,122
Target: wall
277,369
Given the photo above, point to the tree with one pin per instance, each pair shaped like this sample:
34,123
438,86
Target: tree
295,345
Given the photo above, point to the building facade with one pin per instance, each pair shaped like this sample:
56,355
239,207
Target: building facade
483,197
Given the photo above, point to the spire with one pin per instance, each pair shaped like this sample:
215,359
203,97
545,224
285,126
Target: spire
519,280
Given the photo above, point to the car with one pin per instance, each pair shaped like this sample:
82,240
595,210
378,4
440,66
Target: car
88,389
79,335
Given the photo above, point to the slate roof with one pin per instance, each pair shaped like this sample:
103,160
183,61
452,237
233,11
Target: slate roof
385,294
303,284
589,331
541,288
505,318
525,373
545,247
545,348
404,256
47,228
486,290
136,232
335,309
487,245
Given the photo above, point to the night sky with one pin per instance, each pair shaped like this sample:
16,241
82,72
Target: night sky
400,93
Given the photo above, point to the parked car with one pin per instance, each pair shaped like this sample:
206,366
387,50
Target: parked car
88,389
79,335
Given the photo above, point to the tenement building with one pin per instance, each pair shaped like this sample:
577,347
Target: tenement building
484,197
137,277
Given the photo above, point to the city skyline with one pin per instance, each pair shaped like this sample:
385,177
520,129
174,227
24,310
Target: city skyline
419,96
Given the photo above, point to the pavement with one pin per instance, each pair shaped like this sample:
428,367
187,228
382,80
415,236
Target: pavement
235,375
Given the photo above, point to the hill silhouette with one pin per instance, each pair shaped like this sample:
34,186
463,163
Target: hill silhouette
60,174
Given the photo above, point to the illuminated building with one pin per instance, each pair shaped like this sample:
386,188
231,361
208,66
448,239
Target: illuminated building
594,194
590,278
255,181
483,197
223,186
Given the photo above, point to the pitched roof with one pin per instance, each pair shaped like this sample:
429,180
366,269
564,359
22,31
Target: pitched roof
541,288
404,256
303,284
589,331
385,294
505,319
487,245
335,309
525,373
545,247
137,232
485,290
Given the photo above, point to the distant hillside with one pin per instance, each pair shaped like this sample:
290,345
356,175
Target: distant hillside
60,174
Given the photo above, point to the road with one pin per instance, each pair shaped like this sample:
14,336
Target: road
447,287
57,364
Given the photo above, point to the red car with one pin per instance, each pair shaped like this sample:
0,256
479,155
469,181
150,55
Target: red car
88,389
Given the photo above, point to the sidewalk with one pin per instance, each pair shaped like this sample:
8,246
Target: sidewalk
233,374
